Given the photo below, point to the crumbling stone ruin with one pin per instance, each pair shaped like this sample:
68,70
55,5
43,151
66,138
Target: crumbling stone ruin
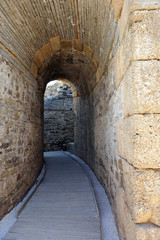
58,117
108,51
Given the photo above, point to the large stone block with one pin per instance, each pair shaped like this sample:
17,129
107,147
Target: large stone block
141,88
147,232
138,140
38,58
145,34
141,41
135,5
47,50
145,5
77,44
66,44
142,193
55,43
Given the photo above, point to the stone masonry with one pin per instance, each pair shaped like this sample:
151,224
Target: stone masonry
58,117
108,52
21,131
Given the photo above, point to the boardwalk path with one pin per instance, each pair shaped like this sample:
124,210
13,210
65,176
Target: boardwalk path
62,208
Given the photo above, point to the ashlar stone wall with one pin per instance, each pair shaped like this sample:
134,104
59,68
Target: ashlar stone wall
58,116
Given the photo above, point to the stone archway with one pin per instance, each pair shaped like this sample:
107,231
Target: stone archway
114,47
59,116
66,59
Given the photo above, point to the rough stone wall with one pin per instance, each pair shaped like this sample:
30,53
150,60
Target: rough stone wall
58,117
21,133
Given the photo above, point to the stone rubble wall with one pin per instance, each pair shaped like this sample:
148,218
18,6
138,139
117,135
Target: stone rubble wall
58,117
21,131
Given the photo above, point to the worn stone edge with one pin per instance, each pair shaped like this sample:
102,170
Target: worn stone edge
7,222
108,225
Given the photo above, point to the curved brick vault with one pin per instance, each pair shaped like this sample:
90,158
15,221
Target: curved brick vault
109,51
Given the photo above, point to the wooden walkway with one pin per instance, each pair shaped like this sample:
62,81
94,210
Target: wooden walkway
62,208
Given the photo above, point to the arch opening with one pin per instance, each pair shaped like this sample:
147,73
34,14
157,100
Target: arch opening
58,116
81,71
76,62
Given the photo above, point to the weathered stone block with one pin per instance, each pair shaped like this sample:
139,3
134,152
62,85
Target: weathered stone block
144,5
55,43
34,70
147,232
88,51
135,5
47,50
145,34
77,45
138,140
141,41
117,7
66,44
141,88
142,193
38,58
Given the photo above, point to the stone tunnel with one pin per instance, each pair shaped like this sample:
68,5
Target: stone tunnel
108,52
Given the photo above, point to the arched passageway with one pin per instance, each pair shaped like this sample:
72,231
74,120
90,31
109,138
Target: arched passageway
109,50
58,117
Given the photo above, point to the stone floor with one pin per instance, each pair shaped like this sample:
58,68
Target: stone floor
62,208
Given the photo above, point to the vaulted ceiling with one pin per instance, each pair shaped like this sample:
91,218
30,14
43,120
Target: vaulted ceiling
27,25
